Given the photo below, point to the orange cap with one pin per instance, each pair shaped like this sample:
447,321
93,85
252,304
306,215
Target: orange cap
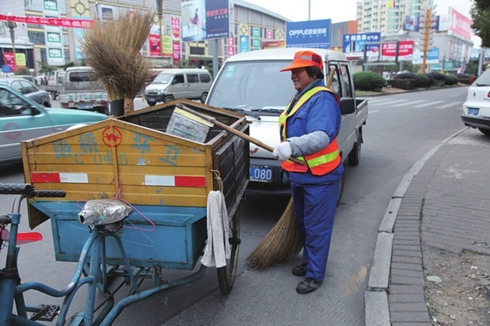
303,59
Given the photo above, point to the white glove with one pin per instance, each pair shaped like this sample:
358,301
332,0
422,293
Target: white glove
283,151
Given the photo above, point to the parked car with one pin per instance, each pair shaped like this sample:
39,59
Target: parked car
172,84
21,118
476,108
30,78
27,89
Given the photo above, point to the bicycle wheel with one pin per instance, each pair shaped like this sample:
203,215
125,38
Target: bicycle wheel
227,274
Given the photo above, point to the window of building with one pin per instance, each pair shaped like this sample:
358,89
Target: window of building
36,37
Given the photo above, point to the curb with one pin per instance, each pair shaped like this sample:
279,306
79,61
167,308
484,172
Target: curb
376,306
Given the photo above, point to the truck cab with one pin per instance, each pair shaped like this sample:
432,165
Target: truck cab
251,83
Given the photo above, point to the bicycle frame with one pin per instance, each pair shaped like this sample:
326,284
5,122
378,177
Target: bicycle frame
93,255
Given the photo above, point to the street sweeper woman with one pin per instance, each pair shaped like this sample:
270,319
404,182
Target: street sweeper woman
308,128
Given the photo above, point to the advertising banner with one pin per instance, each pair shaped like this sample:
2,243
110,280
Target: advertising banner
411,23
167,45
9,60
244,43
273,44
61,22
308,34
175,23
205,19
354,45
231,46
432,56
389,51
256,38
459,25
154,40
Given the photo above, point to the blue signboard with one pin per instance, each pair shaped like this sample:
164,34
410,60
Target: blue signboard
205,19
244,43
431,58
308,34
354,43
433,55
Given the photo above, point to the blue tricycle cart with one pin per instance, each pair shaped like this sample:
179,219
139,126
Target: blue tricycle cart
158,167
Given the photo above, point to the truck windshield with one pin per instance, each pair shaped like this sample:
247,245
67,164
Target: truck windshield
252,86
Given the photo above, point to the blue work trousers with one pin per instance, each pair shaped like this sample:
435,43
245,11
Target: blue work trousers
314,209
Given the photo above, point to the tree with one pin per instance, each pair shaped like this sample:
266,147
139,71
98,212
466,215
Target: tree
480,12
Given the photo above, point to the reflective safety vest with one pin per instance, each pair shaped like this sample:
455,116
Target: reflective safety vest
321,162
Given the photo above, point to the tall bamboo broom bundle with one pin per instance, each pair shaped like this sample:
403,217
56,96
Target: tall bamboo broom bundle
112,48
283,241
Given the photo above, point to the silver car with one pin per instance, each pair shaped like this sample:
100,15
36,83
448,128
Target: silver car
27,89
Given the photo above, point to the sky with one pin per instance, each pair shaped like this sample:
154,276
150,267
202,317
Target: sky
343,10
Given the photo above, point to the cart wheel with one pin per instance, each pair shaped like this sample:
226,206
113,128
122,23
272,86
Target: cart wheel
227,274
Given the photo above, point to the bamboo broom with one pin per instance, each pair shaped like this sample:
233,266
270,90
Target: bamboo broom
283,241
112,49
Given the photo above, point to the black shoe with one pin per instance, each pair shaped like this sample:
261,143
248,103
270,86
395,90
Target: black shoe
300,270
307,286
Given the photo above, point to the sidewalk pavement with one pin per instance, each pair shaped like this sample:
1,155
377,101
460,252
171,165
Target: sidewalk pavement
440,203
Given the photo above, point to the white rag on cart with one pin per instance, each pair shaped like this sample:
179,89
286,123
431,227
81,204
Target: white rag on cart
217,248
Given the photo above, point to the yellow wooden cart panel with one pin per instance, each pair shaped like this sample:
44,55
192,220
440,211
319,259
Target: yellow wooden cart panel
133,158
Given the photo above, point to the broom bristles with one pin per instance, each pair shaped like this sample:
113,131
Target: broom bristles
281,243
112,49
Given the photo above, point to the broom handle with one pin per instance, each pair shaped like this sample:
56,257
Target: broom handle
235,132
330,77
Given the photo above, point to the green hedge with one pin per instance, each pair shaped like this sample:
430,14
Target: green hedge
423,80
403,83
368,81
451,80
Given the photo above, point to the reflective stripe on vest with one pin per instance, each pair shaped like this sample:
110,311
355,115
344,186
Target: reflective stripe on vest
321,162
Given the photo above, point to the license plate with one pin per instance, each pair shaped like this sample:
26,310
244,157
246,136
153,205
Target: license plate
85,106
260,174
473,111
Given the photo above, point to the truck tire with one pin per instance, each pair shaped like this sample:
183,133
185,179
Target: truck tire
151,103
168,98
355,154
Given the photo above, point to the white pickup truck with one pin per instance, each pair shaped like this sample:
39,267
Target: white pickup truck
251,83
80,90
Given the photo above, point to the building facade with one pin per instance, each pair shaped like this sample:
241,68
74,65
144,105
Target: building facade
398,20
251,28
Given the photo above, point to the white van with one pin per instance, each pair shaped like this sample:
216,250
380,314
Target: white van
173,84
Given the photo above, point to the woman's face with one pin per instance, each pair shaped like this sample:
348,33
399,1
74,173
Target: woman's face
300,78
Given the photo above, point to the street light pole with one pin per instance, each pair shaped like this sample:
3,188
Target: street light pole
160,15
12,25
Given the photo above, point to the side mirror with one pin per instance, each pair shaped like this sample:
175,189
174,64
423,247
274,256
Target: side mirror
34,110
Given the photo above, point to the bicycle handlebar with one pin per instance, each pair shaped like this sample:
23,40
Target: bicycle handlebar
49,193
28,190
16,189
